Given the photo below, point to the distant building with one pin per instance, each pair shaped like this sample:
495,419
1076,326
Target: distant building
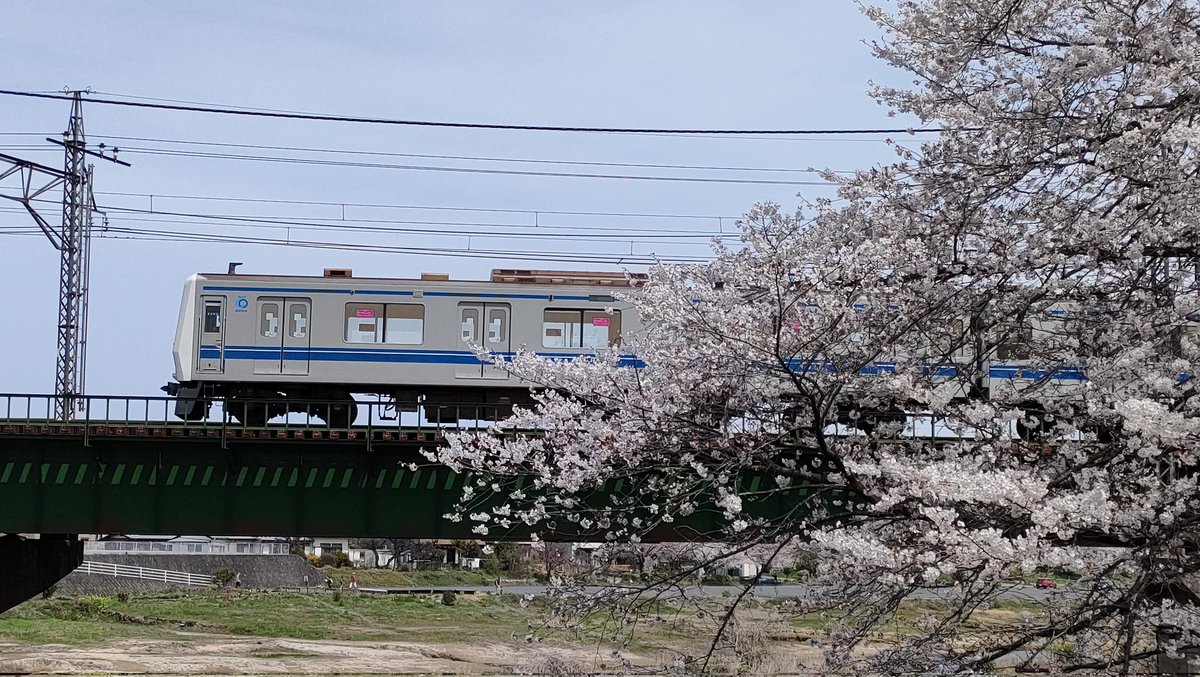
133,544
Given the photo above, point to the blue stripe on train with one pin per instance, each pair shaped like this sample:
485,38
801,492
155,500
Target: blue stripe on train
377,355
386,356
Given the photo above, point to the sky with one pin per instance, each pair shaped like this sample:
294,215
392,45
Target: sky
455,200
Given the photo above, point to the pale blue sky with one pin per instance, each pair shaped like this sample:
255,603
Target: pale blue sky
688,64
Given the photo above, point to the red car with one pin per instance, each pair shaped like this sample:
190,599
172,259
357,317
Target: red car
1043,583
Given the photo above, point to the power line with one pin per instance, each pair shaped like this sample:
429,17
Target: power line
119,215
158,235
467,170
383,205
580,163
537,228
248,112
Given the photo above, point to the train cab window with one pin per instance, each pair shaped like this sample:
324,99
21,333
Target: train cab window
404,324
212,318
580,328
268,320
470,325
364,322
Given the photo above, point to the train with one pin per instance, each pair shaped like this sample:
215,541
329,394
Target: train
269,345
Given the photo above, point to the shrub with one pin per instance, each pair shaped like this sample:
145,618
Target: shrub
449,598
222,577
337,596
49,592
334,559
122,596
89,605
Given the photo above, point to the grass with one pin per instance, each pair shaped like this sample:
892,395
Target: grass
94,620
385,578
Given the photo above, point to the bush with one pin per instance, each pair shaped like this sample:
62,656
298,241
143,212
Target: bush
89,605
122,596
449,598
337,596
222,577
49,592
334,559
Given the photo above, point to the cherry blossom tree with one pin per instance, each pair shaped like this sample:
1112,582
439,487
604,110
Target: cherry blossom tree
974,365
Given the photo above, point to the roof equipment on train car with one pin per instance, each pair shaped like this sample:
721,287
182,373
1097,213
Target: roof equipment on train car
572,277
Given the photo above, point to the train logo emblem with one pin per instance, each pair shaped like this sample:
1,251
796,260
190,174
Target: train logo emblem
241,304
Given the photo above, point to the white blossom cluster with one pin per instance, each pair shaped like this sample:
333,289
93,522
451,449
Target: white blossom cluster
978,363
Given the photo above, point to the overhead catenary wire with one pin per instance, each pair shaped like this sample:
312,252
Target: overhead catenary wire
614,258
385,205
433,156
222,109
468,170
398,225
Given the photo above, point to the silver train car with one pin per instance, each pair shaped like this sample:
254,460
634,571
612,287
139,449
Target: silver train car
270,344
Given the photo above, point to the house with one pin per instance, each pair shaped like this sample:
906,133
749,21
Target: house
134,544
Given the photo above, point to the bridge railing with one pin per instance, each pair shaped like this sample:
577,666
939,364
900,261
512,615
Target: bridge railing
126,415
375,421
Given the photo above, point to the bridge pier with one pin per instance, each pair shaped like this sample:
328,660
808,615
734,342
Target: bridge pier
29,566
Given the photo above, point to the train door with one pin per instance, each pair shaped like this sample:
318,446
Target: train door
497,337
282,339
296,337
210,355
485,325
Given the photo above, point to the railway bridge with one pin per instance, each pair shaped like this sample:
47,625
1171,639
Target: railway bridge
126,465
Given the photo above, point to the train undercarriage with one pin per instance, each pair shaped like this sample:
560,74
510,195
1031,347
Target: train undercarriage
336,405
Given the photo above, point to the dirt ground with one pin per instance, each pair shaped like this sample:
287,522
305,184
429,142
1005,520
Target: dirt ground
220,655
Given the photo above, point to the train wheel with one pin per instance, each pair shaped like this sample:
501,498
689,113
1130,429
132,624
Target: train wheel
249,414
340,414
1034,424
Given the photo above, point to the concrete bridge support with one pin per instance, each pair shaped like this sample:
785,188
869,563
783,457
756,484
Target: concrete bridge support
29,566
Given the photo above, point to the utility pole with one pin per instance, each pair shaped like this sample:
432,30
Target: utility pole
72,240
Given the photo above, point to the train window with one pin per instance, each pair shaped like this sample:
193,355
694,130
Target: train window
497,327
1016,344
558,328
364,322
470,324
268,320
299,314
600,329
404,324
580,328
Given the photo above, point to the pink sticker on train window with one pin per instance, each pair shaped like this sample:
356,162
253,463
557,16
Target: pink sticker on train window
364,312
601,321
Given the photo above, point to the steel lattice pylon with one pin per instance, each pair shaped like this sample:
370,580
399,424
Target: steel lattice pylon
75,239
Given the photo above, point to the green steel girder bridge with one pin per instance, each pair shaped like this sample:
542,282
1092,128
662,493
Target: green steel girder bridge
126,465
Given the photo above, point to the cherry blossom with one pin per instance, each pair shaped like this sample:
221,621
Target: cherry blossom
978,362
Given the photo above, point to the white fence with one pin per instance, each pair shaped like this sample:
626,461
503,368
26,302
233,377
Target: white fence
159,575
